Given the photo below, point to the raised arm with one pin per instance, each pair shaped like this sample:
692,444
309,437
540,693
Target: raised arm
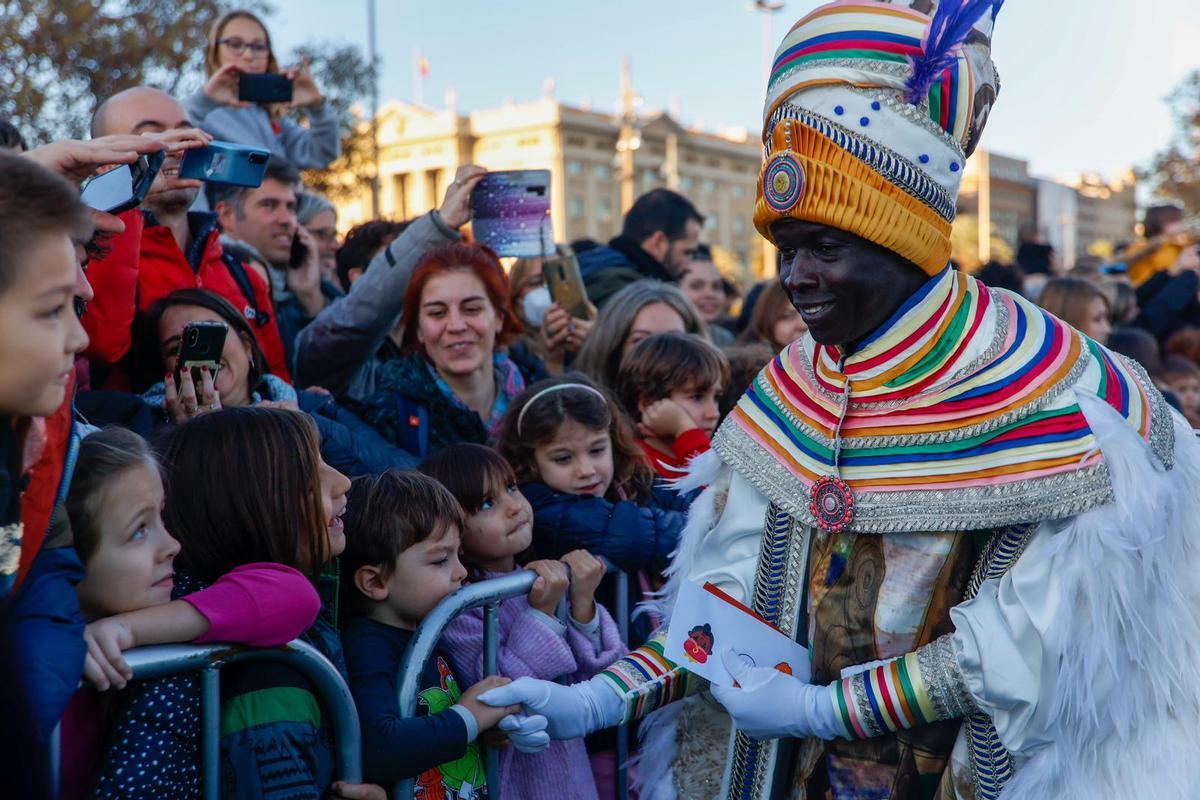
331,349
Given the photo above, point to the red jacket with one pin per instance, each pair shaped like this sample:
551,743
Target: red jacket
47,445
126,280
686,446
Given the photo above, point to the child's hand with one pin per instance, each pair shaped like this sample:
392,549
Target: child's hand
550,586
665,419
104,666
486,716
586,572
357,791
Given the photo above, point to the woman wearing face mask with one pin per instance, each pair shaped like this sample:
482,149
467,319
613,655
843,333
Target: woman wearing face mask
244,379
238,44
559,335
456,378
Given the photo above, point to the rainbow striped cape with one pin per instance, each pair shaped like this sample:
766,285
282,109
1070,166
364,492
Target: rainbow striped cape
961,414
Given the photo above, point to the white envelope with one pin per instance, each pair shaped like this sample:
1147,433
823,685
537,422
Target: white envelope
706,622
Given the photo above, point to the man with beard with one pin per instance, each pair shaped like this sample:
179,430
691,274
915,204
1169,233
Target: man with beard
982,524
658,238
165,247
263,220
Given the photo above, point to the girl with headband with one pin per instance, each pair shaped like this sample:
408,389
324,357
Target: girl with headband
590,487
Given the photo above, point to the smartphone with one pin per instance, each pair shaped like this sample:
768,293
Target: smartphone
510,213
264,87
202,346
123,187
566,284
226,162
299,253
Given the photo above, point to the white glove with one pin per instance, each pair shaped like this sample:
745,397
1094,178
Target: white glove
770,704
527,732
570,711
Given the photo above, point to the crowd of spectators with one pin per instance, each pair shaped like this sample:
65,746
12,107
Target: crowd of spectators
394,412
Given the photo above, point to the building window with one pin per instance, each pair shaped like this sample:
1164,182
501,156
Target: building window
603,171
574,168
687,183
575,207
739,191
710,186
711,222
604,208
739,226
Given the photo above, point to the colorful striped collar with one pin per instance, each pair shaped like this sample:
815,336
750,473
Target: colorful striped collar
960,414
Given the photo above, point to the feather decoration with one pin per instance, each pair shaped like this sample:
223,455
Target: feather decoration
952,23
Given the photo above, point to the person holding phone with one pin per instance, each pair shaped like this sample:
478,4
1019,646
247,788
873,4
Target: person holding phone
239,44
166,246
239,376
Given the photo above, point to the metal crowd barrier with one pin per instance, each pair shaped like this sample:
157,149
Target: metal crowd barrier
489,594
331,690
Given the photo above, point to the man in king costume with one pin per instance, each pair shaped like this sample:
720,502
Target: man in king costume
982,524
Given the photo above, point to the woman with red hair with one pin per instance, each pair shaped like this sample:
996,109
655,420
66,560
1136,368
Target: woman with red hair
455,379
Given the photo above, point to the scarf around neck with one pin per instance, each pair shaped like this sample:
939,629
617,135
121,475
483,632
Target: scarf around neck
958,413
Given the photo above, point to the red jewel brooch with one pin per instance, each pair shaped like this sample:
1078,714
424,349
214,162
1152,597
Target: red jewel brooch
832,504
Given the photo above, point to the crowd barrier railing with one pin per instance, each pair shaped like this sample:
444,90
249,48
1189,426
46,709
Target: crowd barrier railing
208,660
488,595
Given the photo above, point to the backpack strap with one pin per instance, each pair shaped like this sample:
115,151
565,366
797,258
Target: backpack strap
237,271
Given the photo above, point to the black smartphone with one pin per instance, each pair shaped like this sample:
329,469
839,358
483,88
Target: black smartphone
202,345
299,253
226,162
123,187
264,87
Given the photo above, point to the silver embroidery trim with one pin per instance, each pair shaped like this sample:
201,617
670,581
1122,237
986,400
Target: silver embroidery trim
858,686
895,168
993,350
777,586
944,679
991,763
967,509
957,434
916,114
1162,432
892,68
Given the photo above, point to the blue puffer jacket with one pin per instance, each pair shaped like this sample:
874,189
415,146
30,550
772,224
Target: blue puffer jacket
348,444
633,537
47,632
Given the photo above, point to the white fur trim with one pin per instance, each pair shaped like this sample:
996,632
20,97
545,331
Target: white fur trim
652,779
1127,708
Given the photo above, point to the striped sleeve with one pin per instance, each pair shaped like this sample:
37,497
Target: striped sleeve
646,679
919,688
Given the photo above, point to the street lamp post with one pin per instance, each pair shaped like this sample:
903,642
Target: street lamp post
374,55
631,136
